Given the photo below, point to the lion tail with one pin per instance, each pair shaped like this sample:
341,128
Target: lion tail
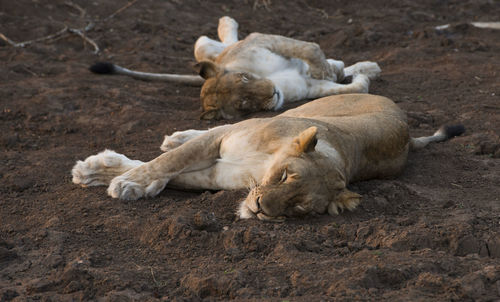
444,133
110,68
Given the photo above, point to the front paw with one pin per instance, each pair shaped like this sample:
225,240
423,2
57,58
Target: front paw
322,72
122,188
130,187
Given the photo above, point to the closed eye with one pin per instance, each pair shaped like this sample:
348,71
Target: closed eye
284,176
300,209
244,78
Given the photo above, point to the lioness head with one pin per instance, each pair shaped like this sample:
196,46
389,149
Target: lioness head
298,183
226,94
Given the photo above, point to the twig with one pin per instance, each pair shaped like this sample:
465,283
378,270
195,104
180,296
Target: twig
158,284
28,70
89,26
265,3
58,34
323,13
24,43
119,10
77,7
81,33
153,275
3,37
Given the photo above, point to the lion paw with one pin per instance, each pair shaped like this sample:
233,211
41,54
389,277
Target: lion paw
322,72
228,30
131,186
123,189
228,22
370,69
98,170
171,142
338,69
178,138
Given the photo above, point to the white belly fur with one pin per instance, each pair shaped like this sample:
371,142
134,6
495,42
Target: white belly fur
288,75
237,168
263,62
233,170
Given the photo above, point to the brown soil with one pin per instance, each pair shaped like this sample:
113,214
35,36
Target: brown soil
431,234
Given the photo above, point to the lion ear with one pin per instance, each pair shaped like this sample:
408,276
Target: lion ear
212,114
345,200
306,140
206,69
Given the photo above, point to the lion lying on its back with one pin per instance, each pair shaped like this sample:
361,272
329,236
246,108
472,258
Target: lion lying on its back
261,72
298,162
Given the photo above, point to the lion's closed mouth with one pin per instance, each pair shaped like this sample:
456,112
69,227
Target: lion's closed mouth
264,217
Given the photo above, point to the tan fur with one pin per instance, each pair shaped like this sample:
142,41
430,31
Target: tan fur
296,163
263,71
260,72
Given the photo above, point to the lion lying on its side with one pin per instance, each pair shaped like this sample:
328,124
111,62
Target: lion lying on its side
261,72
297,162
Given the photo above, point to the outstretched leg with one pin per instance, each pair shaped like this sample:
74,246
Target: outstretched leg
360,84
206,49
228,30
149,179
370,69
361,72
100,169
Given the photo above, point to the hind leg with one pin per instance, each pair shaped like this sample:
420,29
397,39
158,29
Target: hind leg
180,137
370,69
100,169
321,88
228,30
338,69
206,49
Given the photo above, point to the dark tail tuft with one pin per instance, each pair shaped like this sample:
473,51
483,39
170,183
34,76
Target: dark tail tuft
452,131
102,68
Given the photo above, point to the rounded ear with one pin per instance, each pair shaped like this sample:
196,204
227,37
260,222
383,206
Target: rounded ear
206,69
306,140
212,114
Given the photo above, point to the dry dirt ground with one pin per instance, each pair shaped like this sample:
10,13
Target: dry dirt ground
431,234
